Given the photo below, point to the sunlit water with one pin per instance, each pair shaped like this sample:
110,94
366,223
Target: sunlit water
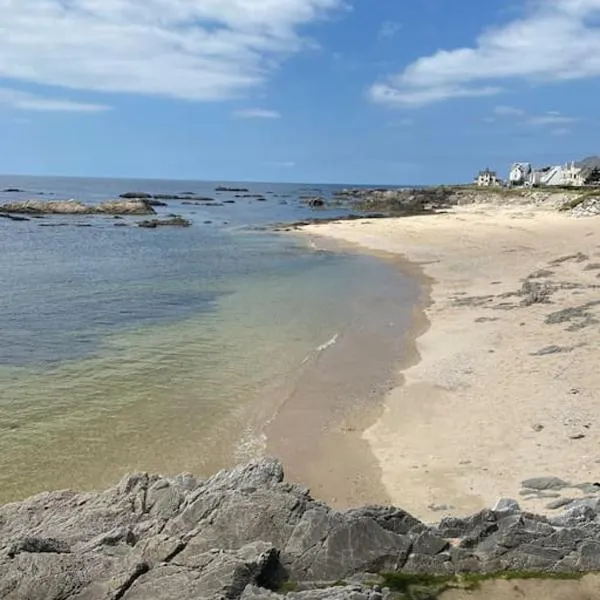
164,350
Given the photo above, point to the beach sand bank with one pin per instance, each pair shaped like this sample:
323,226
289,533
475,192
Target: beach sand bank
508,382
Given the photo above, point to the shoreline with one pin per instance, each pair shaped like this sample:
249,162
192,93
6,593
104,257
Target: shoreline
317,431
483,407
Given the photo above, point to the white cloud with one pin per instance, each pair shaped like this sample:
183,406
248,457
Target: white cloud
555,40
549,118
189,49
508,111
552,118
561,131
26,101
389,29
285,164
256,113
388,94
402,123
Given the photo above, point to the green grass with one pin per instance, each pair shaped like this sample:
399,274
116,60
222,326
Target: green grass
430,587
287,587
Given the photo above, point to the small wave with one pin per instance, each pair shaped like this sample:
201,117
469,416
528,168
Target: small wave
252,445
329,343
321,348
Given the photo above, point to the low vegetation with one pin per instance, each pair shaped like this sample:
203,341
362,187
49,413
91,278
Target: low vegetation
431,587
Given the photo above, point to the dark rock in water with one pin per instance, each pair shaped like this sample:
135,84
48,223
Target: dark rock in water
223,188
155,202
228,201
13,191
245,533
201,201
134,195
315,202
13,217
171,221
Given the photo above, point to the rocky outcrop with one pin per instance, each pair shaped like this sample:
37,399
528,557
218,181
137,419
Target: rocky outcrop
398,202
245,533
72,207
224,188
412,201
590,207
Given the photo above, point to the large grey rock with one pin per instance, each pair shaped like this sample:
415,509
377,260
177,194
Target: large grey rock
245,531
72,207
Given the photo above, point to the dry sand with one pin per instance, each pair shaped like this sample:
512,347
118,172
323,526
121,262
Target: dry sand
483,408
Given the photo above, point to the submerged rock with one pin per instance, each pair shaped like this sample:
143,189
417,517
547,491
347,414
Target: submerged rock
245,533
223,188
13,217
171,221
138,195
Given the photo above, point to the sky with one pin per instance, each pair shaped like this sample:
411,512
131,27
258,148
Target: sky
338,91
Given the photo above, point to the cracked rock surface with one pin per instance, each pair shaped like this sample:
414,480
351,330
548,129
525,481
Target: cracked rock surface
245,533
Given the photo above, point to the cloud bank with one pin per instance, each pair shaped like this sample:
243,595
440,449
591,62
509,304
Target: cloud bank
554,40
187,49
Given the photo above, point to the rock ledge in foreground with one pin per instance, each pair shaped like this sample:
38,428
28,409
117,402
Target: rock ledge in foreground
245,533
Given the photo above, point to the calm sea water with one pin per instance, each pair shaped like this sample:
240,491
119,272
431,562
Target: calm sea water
165,350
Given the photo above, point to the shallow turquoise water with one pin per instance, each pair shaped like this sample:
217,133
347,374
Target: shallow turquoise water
126,349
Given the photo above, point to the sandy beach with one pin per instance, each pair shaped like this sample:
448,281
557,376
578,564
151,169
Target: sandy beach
506,385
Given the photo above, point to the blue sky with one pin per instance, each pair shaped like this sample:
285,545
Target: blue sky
356,91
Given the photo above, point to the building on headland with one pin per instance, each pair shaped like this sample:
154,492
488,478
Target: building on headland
487,178
520,173
571,174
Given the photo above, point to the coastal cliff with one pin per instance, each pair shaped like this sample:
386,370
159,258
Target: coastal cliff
246,533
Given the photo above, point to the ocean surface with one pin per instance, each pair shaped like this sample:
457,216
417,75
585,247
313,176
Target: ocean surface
169,350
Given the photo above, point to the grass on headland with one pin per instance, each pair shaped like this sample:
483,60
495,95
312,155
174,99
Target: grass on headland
575,202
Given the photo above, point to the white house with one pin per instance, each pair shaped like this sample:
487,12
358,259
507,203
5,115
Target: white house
563,175
520,173
487,178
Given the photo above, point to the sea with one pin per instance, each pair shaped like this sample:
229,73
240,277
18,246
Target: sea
170,350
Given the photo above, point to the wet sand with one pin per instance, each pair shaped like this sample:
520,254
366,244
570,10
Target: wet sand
507,385
317,431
